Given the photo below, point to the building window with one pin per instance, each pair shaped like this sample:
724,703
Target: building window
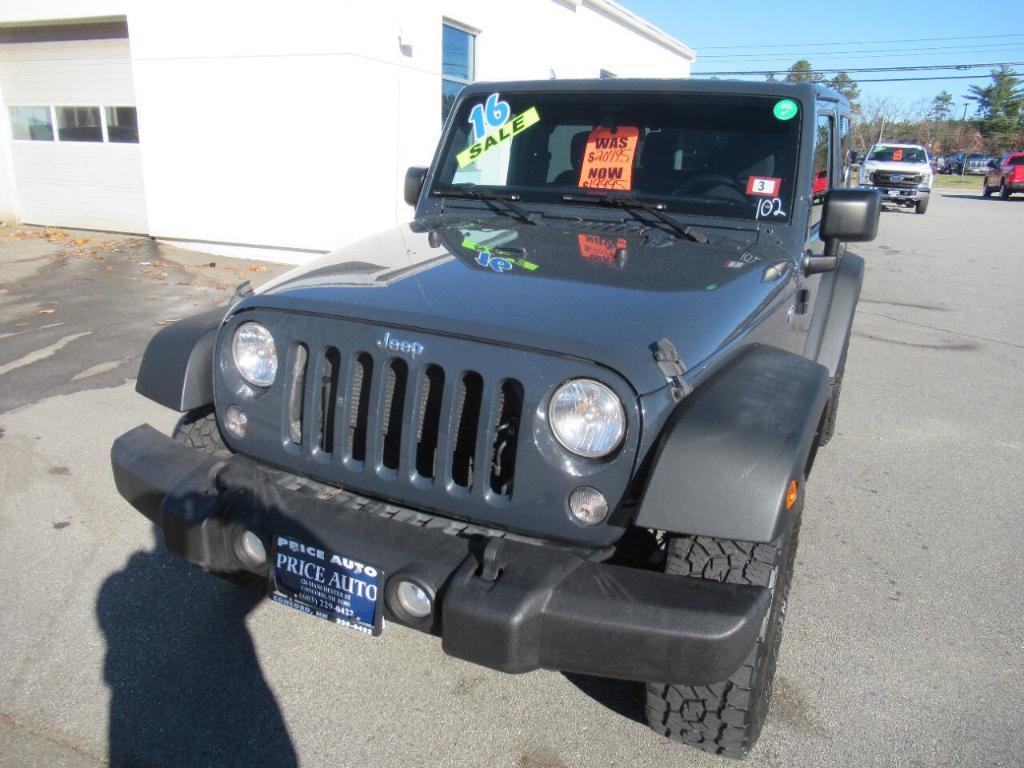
458,53
122,125
31,123
79,124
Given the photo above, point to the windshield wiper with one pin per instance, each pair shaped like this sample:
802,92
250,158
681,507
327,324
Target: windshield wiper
631,204
490,198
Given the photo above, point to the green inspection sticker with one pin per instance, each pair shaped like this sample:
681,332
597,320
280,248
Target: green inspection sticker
785,109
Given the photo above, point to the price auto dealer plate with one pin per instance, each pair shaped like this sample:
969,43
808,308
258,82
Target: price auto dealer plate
327,585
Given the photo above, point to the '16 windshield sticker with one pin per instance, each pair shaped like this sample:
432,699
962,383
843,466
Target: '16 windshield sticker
502,133
497,259
492,114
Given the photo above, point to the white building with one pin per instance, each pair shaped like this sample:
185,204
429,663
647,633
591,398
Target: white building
286,127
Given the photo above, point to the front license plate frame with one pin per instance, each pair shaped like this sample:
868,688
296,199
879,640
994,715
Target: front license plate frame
327,585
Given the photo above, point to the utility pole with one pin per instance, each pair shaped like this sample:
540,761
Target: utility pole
963,137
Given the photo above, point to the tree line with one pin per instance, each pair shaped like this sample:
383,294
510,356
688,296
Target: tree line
995,126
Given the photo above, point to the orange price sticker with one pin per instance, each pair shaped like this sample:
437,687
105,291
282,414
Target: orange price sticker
597,248
608,158
897,154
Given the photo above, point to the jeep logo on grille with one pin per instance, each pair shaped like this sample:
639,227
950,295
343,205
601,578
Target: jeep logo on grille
411,348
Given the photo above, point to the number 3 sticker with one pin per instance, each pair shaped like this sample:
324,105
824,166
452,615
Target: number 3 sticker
763,185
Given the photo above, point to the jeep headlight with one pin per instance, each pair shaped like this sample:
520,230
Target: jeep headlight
255,354
587,418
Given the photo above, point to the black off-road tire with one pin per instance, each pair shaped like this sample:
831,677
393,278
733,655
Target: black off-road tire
921,207
198,429
1004,191
985,191
725,718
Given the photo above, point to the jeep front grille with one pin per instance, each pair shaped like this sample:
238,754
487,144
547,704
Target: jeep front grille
456,428
896,179
398,419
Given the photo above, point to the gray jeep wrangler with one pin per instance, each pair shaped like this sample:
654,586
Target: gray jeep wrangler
565,417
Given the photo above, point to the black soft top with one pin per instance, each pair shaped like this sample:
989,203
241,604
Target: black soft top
804,92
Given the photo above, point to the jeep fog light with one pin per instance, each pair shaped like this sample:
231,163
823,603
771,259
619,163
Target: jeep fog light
412,600
235,421
588,505
255,354
251,546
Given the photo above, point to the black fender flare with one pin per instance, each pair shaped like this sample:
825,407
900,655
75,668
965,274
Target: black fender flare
836,303
177,367
725,459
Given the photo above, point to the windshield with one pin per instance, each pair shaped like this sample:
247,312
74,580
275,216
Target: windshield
731,156
898,155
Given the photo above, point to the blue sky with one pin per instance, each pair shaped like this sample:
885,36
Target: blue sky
854,34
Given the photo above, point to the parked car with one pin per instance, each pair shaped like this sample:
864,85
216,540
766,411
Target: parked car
820,185
976,164
901,172
1005,175
564,418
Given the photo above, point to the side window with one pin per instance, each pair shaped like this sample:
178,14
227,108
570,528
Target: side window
122,125
822,174
458,64
31,123
845,147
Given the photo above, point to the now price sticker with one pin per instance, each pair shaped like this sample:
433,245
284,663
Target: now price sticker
763,185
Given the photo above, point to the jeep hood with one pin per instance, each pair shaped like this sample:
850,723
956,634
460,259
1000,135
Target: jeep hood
578,289
898,167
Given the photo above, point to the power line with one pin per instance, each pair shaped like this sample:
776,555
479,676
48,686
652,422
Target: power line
932,77
867,53
824,71
860,42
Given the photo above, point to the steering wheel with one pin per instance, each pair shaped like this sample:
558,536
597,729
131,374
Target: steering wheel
708,180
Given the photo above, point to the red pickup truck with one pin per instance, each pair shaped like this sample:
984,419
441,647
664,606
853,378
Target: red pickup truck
1005,174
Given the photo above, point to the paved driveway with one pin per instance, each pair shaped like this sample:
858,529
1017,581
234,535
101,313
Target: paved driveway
905,636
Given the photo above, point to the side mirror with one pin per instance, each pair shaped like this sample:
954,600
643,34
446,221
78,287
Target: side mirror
848,216
993,163
414,184
853,158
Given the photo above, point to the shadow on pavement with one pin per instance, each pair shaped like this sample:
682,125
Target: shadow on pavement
186,687
993,199
623,697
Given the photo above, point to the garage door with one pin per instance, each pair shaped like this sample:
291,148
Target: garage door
70,101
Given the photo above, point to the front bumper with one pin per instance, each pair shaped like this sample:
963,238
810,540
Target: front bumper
900,195
507,603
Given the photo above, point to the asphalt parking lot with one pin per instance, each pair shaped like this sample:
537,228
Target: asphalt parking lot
905,632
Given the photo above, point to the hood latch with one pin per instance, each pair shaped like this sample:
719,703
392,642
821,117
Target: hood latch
672,367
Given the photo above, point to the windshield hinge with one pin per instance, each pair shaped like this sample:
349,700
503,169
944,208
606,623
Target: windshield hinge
672,367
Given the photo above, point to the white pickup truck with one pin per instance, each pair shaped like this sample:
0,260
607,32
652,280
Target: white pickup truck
902,172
